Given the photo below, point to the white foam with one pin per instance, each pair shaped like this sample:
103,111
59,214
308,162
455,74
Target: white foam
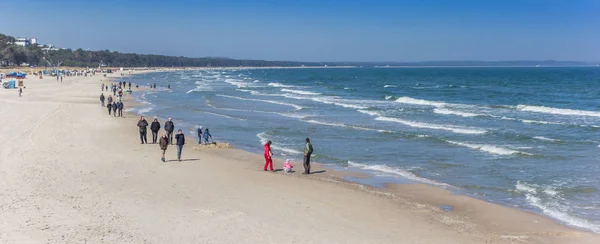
396,171
389,86
558,111
488,148
372,113
237,83
347,88
389,97
326,100
528,121
222,115
545,138
551,206
453,112
345,126
334,101
433,126
300,92
540,122
145,110
410,100
524,187
275,84
297,107
199,89
263,139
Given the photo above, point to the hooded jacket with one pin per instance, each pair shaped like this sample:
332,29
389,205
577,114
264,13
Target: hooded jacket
155,126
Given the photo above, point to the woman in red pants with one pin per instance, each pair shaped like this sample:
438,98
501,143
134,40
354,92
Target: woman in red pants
268,156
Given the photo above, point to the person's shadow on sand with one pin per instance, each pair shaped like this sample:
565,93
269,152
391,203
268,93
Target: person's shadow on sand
183,160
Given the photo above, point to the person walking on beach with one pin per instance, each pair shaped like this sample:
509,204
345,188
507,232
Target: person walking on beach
102,89
142,124
109,106
155,127
200,135
114,90
130,85
180,138
268,156
120,108
169,127
102,99
169,86
164,143
20,91
61,77
114,107
308,150
206,136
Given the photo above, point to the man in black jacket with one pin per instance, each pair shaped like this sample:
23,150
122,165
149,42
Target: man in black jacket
155,127
169,127
102,99
142,124
180,138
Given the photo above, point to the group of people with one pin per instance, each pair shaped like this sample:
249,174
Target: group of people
287,166
116,107
206,134
165,139
116,88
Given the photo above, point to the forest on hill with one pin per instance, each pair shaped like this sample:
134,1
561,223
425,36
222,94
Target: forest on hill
40,56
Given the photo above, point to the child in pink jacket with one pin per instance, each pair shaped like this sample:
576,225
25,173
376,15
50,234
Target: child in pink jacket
287,166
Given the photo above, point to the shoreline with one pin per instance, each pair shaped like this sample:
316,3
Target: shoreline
452,200
89,180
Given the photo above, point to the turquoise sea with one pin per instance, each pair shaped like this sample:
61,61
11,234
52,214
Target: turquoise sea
522,137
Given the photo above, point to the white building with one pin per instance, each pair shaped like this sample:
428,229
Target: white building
24,41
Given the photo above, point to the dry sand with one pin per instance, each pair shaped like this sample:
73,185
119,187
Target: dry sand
71,174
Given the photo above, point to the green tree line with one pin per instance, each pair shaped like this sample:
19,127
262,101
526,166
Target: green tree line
14,55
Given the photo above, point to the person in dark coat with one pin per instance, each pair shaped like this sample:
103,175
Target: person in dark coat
142,124
120,108
102,99
180,138
130,85
155,127
308,150
169,127
114,107
109,106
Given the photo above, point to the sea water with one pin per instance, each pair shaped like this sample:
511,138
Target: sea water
522,137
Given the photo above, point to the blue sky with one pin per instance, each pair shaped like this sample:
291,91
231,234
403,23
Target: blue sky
325,30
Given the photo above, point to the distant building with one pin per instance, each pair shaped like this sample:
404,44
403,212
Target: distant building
49,47
24,41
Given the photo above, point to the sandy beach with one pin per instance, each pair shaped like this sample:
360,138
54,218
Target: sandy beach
72,174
